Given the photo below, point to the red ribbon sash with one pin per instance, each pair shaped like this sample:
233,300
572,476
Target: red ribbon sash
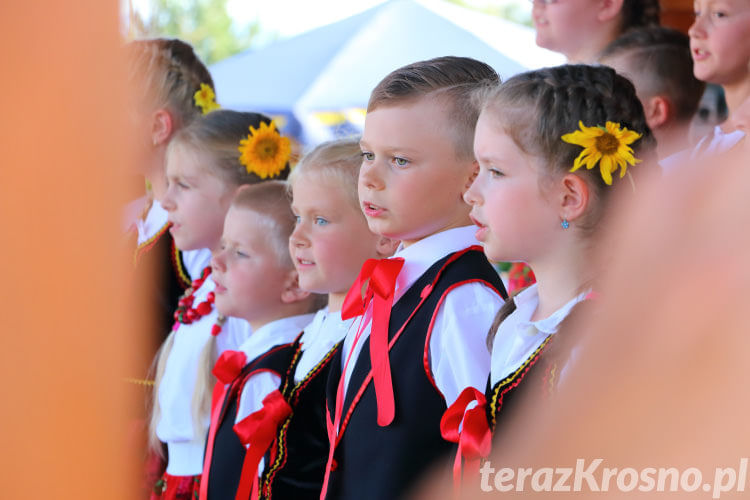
474,438
258,430
377,283
227,368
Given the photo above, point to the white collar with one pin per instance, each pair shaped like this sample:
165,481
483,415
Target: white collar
281,331
528,300
155,219
419,256
326,326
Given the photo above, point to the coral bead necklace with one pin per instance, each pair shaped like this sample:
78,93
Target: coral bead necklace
187,314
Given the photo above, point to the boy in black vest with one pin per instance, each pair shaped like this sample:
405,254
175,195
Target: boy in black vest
424,314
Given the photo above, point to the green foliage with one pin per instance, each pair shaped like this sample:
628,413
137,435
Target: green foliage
205,24
510,10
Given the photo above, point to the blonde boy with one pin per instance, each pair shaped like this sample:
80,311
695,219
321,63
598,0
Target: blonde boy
425,313
329,244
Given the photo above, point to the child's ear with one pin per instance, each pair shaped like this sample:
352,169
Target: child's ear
291,292
385,247
658,111
574,197
162,126
609,9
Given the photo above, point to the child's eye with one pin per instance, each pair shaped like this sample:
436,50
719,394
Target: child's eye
241,254
719,14
401,162
496,173
368,156
297,219
320,221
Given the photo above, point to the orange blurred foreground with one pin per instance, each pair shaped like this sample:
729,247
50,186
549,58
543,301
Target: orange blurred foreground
68,321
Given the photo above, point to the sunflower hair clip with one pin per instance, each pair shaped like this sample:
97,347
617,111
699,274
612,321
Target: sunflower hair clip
206,99
265,152
608,145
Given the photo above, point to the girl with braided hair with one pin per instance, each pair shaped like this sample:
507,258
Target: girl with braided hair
164,78
581,29
553,146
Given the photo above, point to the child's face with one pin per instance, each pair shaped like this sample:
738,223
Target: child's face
718,41
248,273
331,240
516,220
411,182
565,26
196,200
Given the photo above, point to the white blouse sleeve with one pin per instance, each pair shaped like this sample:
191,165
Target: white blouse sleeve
459,357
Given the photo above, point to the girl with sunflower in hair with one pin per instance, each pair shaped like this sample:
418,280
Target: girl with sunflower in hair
552,146
205,164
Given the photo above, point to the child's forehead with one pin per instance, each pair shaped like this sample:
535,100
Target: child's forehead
321,188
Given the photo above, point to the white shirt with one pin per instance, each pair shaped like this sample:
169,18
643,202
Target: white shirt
326,330
458,351
518,337
186,440
260,385
717,142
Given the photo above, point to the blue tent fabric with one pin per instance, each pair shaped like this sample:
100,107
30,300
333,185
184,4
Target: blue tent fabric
335,67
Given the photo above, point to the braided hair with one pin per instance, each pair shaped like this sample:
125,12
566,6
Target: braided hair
167,73
537,107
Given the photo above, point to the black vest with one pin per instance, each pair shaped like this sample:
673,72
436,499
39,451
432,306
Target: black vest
228,454
300,451
505,393
373,462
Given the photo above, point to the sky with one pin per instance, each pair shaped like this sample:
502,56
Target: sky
285,18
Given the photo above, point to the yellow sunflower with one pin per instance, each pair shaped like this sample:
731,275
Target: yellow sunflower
206,99
265,152
608,145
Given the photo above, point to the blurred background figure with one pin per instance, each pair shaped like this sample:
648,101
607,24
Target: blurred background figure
581,29
657,60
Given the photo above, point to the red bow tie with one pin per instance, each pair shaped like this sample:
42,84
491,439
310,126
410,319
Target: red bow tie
377,283
229,366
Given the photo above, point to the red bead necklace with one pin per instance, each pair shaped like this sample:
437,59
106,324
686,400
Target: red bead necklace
187,314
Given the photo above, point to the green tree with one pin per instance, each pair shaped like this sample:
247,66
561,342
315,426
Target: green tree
511,10
205,24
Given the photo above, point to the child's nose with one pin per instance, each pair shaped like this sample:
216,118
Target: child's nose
167,202
297,238
472,196
697,29
217,261
369,176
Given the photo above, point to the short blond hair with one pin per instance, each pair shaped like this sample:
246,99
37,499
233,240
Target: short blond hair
339,159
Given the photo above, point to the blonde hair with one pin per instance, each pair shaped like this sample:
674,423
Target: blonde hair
217,134
270,200
339,159
167,73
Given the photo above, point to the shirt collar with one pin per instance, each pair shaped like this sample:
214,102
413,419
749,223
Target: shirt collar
422,254
281,331
526,303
